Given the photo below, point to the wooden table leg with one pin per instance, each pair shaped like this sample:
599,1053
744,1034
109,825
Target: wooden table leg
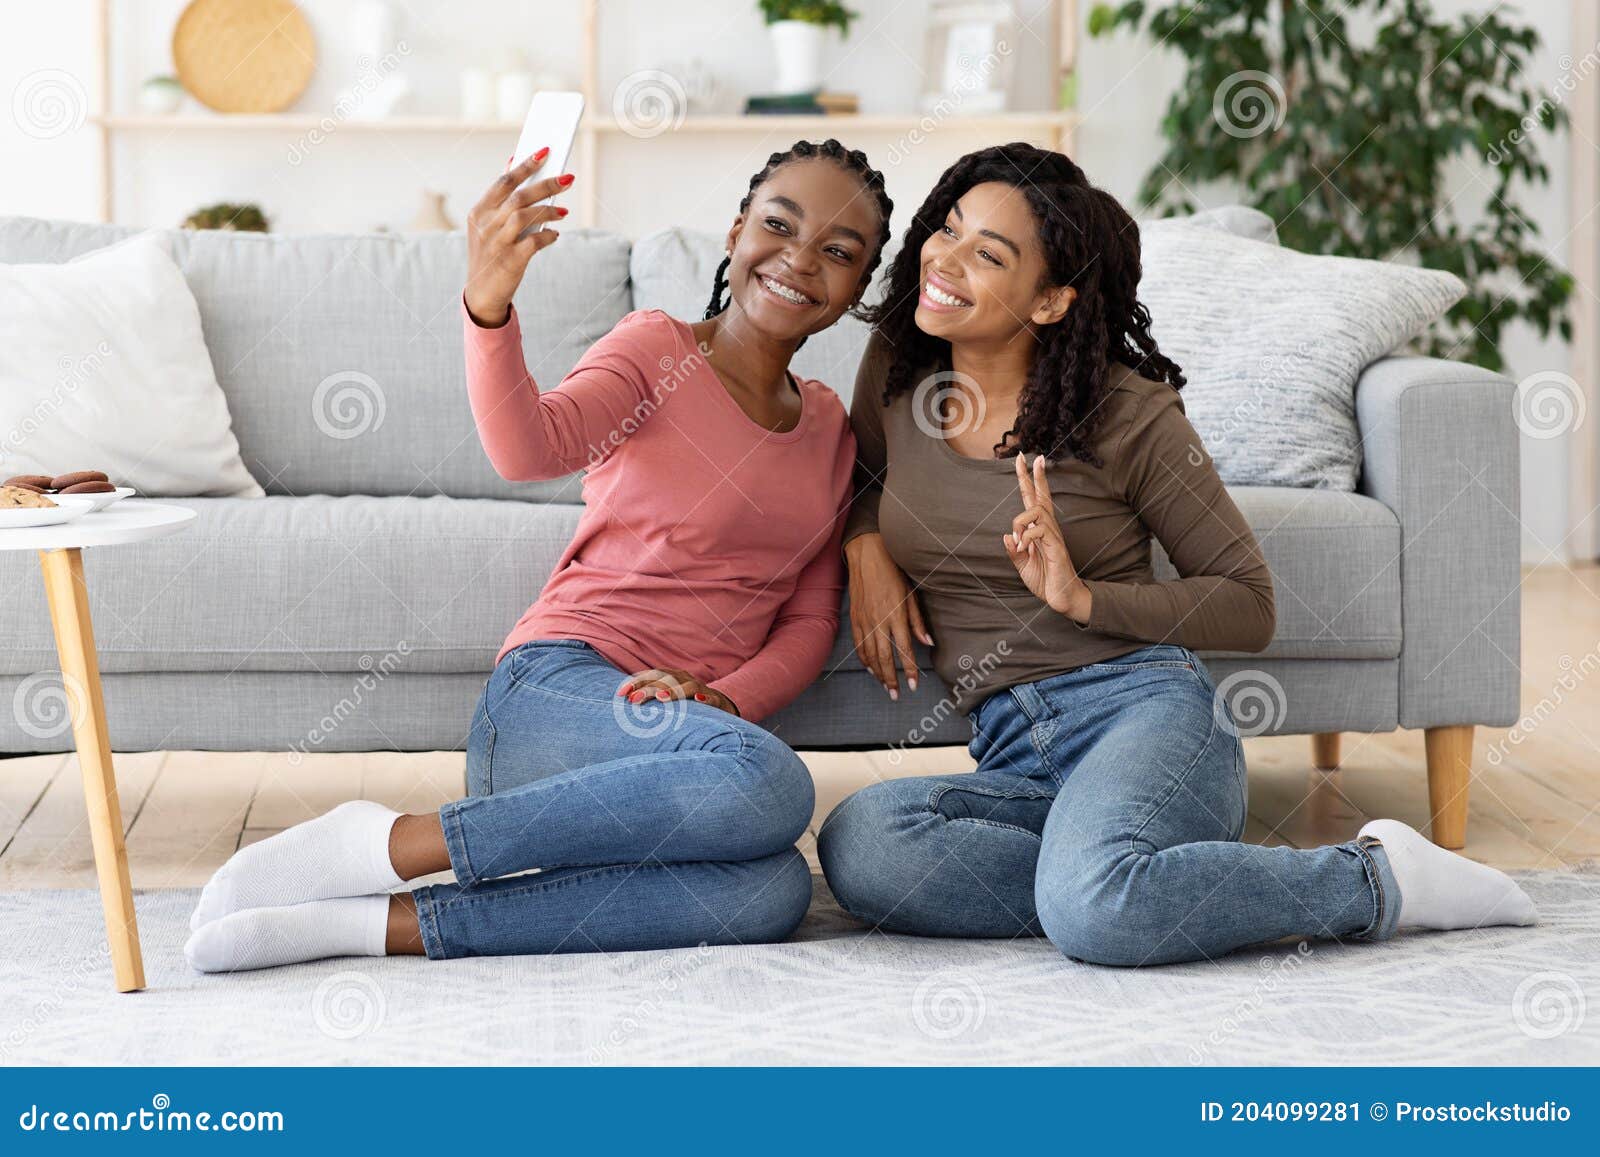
80,667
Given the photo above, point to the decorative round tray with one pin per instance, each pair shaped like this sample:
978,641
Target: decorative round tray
244,55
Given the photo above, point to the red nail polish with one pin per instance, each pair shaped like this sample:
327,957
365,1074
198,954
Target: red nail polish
701,698
541,153
661,695
565,179
561,211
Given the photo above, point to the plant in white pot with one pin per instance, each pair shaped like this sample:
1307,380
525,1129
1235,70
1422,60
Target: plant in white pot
798,28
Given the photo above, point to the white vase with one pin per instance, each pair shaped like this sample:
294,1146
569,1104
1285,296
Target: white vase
372,25
513,94
477,94
798,45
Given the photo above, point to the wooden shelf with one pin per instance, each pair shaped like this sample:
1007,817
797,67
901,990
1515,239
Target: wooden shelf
857,122
294,123
1057,128
300,122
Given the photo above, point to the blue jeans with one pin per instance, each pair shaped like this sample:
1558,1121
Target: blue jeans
656,825
1105,813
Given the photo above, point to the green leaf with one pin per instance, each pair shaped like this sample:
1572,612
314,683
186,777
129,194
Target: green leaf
1356,158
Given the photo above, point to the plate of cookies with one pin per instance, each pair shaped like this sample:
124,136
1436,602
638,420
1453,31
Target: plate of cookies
21,507
94,485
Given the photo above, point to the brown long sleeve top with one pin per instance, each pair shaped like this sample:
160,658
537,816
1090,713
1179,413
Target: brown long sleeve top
942,516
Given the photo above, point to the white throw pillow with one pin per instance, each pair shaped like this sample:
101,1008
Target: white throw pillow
1272,341
103,366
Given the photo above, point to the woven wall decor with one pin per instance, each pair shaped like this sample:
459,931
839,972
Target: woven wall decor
244,56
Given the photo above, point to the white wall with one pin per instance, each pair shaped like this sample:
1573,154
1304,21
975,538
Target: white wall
359,180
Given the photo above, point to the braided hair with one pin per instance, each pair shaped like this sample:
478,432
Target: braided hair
1090,243
851,160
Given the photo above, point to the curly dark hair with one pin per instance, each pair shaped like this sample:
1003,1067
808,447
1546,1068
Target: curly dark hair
1090,243
852,160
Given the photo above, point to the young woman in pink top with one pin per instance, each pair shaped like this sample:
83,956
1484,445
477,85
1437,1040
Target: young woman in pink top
615,747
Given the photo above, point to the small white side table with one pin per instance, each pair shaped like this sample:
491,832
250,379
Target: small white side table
60,554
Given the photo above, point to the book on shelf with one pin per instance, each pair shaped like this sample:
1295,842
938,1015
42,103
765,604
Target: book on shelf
820,103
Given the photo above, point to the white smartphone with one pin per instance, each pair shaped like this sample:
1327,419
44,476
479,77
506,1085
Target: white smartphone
552,121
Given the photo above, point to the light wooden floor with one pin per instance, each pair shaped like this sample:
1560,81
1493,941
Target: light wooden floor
187,811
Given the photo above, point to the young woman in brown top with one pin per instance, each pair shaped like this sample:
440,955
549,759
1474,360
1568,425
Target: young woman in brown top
1020,438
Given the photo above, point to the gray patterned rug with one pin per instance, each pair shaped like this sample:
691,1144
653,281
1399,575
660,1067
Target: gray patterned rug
835,994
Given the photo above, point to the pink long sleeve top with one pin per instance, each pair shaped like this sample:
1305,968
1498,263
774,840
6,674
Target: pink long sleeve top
708,542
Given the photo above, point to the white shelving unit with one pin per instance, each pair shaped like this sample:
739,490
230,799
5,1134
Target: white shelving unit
1056,126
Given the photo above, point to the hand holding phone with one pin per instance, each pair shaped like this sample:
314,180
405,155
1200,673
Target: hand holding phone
552,123
506,227
504,230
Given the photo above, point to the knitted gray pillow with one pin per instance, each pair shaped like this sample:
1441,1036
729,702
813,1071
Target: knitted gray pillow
1240,220
1272,341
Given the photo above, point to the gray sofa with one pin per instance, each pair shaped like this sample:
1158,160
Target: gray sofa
360,604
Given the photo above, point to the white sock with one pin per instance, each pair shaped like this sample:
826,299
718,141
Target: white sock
1439,889
268,937
342,853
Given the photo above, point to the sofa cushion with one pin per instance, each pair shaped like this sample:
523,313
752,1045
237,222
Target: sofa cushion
340,355
305,584
1335,563
1272,342
435,584
103,365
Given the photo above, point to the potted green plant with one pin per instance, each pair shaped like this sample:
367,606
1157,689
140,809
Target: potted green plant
1341,119
798,28
244,218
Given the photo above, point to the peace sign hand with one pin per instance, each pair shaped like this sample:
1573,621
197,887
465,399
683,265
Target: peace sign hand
1037,549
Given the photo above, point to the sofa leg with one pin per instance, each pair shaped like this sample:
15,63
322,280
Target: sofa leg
1325,750
1449,774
